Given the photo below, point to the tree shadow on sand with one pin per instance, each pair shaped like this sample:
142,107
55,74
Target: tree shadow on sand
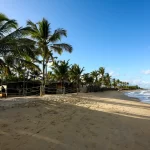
61,126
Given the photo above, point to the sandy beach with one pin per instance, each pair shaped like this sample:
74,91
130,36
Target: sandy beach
87,121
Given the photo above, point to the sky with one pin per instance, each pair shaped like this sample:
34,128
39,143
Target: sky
114,34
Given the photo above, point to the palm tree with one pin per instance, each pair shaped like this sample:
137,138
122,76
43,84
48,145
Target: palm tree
50,76
95,74
14,40
75,74
118,82
47,42
49,59
15,46
35,74
102,72
114,83
61,70
87,79
127,83
107,78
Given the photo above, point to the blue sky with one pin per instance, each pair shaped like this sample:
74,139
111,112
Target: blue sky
114,34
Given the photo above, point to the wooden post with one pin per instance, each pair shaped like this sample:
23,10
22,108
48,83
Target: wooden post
41,91
64,90
77,91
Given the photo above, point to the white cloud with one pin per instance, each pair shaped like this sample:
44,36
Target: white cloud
147,72
139,82
113,74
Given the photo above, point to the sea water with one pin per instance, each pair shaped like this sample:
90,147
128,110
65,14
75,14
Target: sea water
142,95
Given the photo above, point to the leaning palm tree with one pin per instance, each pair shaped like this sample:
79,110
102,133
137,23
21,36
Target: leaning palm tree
47,42
20,65
75,74
13,40
15,46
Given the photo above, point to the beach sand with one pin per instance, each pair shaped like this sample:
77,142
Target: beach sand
87,121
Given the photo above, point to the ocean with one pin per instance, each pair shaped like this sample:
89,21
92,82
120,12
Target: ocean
142,95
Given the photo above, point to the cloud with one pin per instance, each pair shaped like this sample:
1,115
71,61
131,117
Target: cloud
147,72
139,82
113,74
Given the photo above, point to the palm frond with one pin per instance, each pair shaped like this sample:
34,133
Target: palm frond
60,47
6,27
57,49
2,63
57,35
44,28
3,17
32,25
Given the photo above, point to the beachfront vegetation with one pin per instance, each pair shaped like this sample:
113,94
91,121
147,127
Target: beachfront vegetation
47,42
26,52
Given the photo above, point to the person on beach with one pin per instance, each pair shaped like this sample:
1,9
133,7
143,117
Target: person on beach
3,92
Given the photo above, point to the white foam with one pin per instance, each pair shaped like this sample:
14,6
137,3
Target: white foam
143,95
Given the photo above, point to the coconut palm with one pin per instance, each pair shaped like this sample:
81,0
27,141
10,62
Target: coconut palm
35,74
118,82
61,70
15,46
95,74
50,76
20,65
114,83
87,78
47,42
75,74
101,73
107,79
13,40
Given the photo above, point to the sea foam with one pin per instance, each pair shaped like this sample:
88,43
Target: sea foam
142,95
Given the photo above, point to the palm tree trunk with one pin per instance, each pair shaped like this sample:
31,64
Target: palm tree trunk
78,84
46,74
43,84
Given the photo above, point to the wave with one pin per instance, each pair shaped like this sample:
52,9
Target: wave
142,95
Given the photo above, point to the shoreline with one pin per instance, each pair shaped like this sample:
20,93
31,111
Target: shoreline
132,98
112,94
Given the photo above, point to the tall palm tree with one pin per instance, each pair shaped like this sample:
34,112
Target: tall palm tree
107,78
114,83
75,74
95,74
118,82
47,42
101,73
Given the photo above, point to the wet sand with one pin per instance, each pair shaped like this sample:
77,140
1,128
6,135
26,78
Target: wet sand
87,121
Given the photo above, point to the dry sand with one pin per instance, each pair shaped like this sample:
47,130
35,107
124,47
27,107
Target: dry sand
95,121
